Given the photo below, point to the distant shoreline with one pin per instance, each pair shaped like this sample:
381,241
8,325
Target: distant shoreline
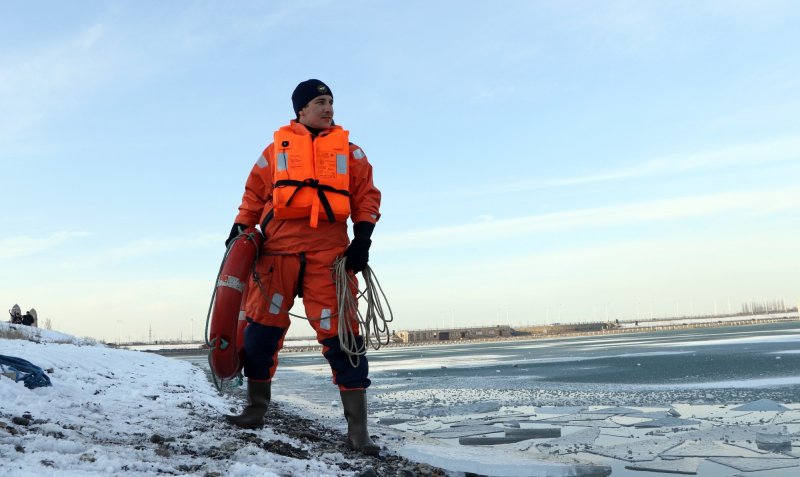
200,349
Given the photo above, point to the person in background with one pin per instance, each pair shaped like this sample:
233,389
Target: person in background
16,315
301,191
30,318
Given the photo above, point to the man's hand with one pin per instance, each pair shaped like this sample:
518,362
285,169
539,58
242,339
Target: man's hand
357,254
235,231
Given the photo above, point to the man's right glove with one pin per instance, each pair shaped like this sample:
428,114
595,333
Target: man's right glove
235,231
357,254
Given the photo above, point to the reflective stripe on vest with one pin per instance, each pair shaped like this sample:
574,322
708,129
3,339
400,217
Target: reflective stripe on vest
311,176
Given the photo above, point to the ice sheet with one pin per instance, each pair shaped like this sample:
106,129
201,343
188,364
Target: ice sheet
746,464
498,462
705,448
678,466
642,450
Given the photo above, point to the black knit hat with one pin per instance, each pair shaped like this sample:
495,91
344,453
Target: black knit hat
306,91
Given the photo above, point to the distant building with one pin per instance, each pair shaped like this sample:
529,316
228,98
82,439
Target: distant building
567,328
453,334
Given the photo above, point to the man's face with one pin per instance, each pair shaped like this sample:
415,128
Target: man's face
318,113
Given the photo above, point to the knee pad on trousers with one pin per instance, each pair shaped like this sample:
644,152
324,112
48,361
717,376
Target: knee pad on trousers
261,346
344,374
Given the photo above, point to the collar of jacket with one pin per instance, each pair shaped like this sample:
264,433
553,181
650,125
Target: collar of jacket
300,128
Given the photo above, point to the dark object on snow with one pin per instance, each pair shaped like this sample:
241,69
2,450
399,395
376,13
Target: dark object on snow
25,371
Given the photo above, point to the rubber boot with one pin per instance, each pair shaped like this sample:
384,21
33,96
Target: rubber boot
252,416
355,411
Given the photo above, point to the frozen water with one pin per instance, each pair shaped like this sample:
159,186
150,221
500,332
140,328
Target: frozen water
761,405
568,444
559,410
668,422
636,450
464,431
704,448
628,421
614,411
748,464
477,460
574,418
678,466
774,442
599,391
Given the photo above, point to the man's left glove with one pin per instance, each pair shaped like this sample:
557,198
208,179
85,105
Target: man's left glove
235,231
357,254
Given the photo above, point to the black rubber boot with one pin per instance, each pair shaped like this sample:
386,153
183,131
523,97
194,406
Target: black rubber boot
252,416
355,411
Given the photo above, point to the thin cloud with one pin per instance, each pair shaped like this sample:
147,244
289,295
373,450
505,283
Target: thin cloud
759,202
742,155
14,247
148,246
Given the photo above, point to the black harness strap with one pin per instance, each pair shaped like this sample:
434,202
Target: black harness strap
267,219
301,274
321,189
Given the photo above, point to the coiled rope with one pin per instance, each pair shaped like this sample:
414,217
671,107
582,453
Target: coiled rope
373,324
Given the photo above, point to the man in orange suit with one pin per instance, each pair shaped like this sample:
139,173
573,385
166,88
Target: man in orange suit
301,191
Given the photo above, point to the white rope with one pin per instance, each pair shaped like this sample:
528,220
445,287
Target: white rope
373,324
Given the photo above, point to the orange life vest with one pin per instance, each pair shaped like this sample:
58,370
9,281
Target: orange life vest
311,176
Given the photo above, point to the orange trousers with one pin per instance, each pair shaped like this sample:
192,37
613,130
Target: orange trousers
277,281
274,287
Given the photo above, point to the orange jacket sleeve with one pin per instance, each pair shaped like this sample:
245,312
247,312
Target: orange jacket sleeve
365,198
257,191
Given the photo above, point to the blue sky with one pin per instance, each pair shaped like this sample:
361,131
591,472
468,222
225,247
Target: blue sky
539,161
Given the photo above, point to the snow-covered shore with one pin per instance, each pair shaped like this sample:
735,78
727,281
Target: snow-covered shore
128,413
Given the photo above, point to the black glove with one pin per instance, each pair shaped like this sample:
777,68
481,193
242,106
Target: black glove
357,254
235,231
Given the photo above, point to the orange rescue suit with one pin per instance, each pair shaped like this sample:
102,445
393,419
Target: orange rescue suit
284,195
286,212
